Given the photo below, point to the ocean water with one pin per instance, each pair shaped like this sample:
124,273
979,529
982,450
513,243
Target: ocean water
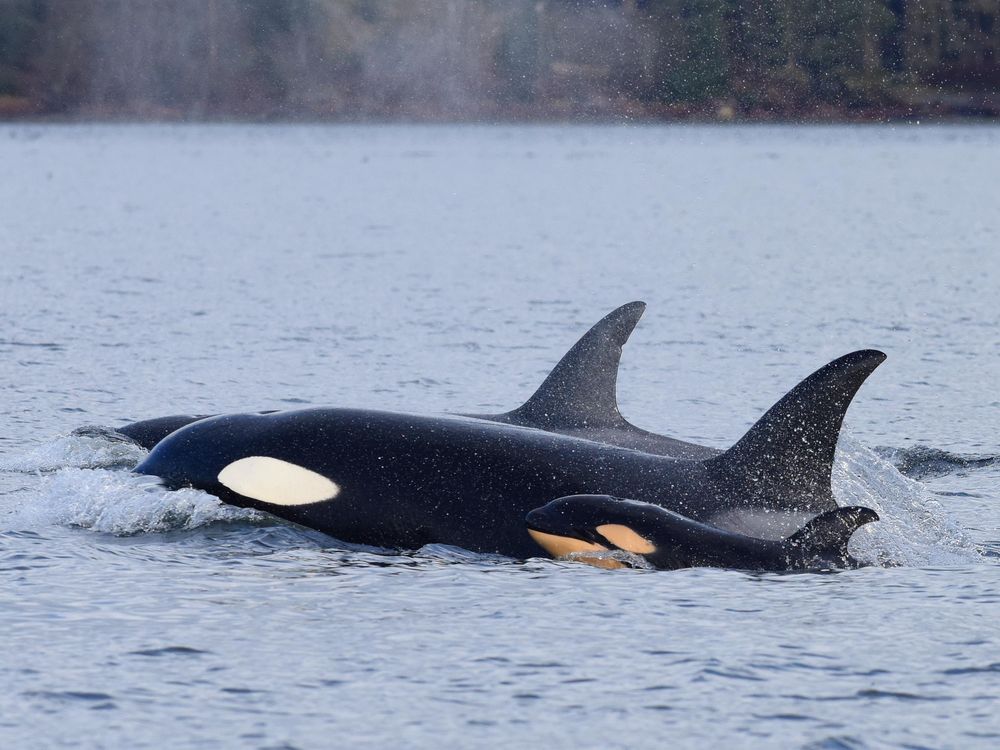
147,270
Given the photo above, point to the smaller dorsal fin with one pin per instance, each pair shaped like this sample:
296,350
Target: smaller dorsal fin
829,533
581,390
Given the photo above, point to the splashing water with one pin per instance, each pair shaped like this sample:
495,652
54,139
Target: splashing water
614,558
84,448
82,488
121,503
913,530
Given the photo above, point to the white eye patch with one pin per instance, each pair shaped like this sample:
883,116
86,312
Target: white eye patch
277,482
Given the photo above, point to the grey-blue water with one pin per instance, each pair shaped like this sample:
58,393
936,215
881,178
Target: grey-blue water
150,270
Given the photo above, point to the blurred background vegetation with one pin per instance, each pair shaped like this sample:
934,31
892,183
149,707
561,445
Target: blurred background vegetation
500,59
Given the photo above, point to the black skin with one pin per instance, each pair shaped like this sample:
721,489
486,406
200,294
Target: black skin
410,480
149,432
470,480
681,542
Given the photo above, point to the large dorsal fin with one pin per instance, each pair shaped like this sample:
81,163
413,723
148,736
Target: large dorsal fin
786,459
580,391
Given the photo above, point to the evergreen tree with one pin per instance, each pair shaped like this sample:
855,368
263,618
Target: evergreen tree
693,63
20,22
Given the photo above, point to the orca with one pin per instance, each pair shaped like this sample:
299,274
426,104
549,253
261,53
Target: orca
578,398
586,527
404,480
148,432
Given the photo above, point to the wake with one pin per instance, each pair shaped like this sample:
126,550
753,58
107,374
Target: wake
914,530
84,481
924,462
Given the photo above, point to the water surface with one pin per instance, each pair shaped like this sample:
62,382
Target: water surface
149,270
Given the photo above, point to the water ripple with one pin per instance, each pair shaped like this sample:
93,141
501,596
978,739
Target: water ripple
925,462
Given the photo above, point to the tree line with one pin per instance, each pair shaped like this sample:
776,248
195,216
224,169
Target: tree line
498,59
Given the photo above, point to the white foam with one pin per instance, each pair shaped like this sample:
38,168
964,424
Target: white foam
913,530
628,559
118,502
85,451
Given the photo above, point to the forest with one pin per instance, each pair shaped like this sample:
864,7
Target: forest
496,60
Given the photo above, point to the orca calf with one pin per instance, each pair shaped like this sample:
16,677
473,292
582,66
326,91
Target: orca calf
588,526
400,480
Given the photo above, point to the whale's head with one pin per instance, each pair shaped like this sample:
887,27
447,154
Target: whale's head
588,527
239,459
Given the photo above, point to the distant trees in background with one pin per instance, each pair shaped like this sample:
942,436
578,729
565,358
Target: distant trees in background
486,59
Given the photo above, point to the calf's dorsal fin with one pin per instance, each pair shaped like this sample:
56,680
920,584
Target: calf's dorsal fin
581,391
829,533
786,458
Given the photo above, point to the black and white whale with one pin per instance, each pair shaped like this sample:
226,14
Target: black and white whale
578,398
400,480
589,526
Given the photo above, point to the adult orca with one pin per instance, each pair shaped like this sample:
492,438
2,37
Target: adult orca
401,480
578,398
589,526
